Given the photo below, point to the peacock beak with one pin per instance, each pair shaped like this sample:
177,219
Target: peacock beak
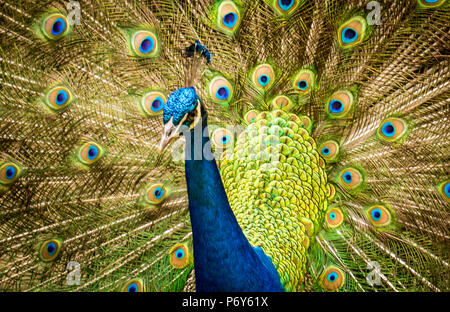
171,132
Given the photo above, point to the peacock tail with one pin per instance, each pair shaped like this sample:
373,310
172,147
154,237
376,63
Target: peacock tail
328,121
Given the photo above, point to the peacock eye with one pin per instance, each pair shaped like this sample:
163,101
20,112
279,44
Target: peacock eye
376,214
263,80
55,26
228,17
50,250
9,172
430,3
334,217
179,256
388,129
153,102
179,253
132,288
134,285
352,32
304,81
263,76
379,215
332,278
285,7
222,138
349,35
444,190
145,44
282,102
90,152
339,104
307,123
350,178
336,106
392,129
250,116
58,98
329,150
156,194
220,90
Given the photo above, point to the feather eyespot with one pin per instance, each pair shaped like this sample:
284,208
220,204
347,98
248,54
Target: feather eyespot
156,194
145,44
350,178
250,116
58,98
50,250
282,102
153,102
263,76
134,285
9,173
222,138
444,190
392,129
285,7
379,216
339,104
180,256
352,32
228,17
329,150
349,35
220,90
89,153
334,217
430,3
55,26
307,123
332,278
304,81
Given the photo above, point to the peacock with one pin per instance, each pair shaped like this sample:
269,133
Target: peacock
224,145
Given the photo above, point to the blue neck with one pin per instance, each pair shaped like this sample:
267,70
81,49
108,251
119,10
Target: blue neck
224,260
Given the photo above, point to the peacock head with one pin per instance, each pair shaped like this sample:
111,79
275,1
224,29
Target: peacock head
182,111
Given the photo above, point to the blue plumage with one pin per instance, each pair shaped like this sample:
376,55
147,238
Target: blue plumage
224,259
180,102
197,47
